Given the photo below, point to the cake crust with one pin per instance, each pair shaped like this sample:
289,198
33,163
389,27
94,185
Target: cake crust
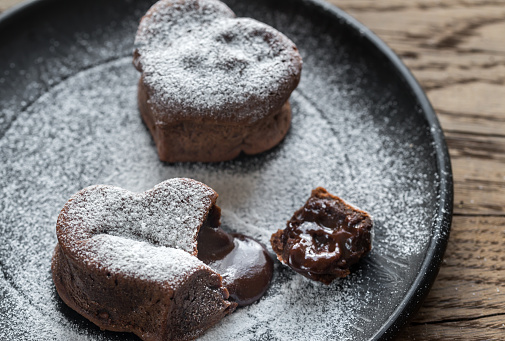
125,276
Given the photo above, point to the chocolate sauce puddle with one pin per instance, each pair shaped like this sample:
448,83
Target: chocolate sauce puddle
244,264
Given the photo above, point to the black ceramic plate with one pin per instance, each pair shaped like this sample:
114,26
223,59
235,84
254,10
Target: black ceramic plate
362,128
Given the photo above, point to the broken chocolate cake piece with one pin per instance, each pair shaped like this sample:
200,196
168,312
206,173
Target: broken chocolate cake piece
324,238
129,261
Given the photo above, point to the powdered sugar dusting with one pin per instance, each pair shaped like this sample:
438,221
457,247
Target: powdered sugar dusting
201,62
254,199
141,260
169,215
371,151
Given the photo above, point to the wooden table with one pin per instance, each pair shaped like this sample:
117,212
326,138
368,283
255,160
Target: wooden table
456,49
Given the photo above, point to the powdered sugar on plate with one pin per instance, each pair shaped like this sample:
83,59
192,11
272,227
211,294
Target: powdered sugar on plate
86,130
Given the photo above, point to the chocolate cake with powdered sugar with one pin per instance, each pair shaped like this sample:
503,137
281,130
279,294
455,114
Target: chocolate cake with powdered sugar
212,85
128,261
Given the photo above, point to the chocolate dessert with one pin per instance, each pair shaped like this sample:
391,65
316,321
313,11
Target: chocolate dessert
244,264
128,261
212,85
324,238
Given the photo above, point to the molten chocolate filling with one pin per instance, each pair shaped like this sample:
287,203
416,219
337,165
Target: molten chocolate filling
324,238
244,264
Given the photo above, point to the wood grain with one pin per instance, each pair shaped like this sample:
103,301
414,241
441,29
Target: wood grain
456,50
6,4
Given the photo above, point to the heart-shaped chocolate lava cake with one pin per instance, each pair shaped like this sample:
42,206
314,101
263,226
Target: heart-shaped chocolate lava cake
213,85
127,261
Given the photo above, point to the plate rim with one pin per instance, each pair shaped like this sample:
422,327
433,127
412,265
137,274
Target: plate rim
441,226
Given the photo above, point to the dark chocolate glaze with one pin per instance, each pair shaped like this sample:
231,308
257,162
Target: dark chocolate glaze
244,264
324,238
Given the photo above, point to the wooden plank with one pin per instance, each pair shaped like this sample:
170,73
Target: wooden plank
435,68
472,273
484,328
487,37
475,108
5,4
401,5
475,124
444,45
467,301
437,27
471,99
479,173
